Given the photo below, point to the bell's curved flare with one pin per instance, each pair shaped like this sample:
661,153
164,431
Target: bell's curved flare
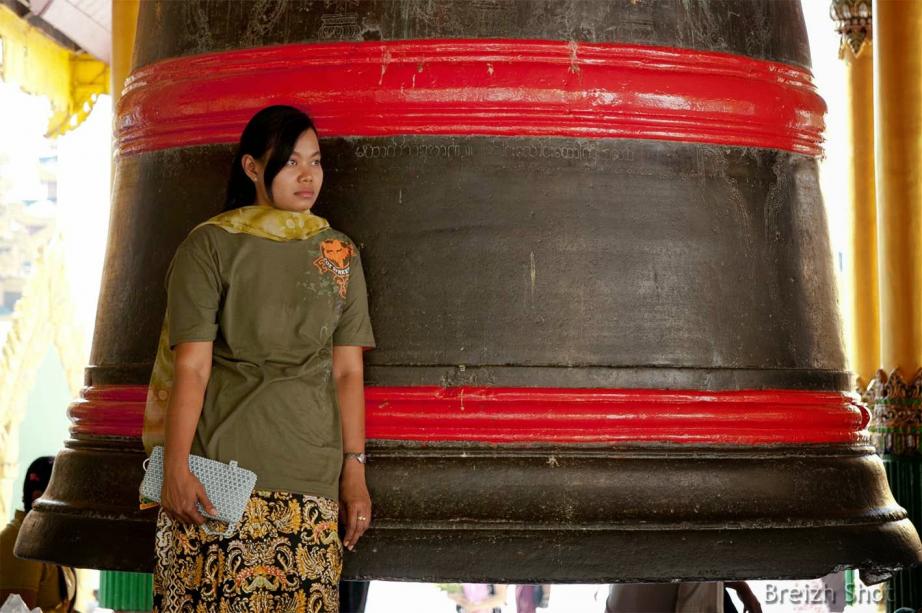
598,269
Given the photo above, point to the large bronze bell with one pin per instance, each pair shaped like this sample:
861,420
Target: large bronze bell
599,276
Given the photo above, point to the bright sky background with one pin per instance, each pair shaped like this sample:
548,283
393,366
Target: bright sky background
829,75
22,122
84,163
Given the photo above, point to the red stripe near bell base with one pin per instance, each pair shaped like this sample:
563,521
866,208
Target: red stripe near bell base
554,415
477,87
108,410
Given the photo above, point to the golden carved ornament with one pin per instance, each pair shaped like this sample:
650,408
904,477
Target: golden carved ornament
896,413
853,23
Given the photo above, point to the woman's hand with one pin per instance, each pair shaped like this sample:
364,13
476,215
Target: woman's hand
180,488
355,502
179,493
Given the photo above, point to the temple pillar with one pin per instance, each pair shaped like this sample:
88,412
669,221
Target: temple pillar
853,21
896,392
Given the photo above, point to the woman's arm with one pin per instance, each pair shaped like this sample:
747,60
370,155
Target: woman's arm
181,490
348,374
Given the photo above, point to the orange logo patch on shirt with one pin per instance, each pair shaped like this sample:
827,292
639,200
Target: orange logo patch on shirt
335,256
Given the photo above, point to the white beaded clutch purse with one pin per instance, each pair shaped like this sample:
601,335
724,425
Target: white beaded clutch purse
227,486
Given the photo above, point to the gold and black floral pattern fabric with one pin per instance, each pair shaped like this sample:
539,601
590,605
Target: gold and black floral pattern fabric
285,557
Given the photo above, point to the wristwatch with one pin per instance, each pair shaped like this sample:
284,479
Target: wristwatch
359,457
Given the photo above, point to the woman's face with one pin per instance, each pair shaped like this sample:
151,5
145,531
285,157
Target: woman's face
297,185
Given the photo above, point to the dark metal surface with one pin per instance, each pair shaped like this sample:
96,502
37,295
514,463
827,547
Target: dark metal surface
497,554
904,474
532,262
352,596
89,516
598,254
540,513
643,513
154,208
767,29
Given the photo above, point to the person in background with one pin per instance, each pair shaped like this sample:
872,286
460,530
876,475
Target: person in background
530,597
751,604
479,597
39,584
684,597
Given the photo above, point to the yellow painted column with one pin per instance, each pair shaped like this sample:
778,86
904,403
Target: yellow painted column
853,22
898,139
896,393
124,26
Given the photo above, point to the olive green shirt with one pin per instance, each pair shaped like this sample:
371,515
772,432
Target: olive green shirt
274,310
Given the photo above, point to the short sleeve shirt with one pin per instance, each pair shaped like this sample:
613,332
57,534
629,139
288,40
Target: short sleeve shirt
274,311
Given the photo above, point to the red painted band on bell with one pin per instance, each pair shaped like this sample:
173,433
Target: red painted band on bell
556,415
545,88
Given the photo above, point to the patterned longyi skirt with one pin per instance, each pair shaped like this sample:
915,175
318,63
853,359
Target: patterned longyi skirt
286,556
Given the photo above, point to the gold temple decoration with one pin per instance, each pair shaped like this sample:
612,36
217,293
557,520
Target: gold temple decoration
853,23
71,81
896,413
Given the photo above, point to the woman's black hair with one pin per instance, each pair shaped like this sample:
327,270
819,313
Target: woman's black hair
274,129
38,475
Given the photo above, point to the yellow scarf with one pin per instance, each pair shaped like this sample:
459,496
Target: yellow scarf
257,220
